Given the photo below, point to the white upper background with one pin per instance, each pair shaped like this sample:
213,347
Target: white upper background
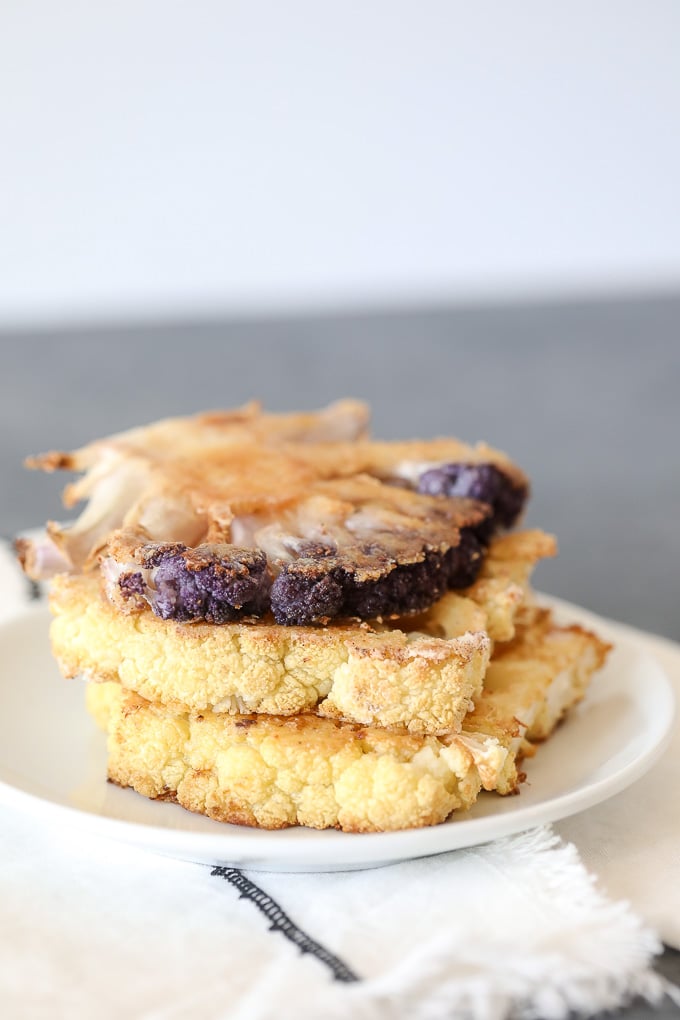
181,158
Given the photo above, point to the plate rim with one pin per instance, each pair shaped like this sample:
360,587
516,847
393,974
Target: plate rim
323,850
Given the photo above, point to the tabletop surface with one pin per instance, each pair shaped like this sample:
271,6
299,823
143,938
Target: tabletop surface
586,397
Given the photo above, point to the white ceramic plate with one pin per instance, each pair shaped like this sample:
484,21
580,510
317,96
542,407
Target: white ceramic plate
53,763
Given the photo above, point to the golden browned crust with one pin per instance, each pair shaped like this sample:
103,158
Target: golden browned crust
307,770
531,683
381,458
274,772
227,477
343,420
383,678
331,442
511,554
422,679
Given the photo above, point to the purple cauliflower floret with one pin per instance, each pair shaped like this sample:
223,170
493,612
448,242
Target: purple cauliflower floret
484,482
300,598
309,591
132,584
221,583
217,584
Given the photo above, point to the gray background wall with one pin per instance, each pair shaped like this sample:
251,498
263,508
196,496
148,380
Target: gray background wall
586,397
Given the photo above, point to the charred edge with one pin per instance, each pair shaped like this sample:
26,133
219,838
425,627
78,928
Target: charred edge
308,592
279,921
223,584
313,589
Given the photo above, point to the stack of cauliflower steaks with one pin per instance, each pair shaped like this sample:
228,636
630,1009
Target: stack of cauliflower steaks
284,622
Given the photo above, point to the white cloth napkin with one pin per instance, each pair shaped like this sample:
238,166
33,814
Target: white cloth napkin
632,842
517,927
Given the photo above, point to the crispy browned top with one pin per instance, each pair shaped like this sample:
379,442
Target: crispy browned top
276,482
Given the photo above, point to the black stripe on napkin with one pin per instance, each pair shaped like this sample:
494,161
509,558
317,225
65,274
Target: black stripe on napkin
280,921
